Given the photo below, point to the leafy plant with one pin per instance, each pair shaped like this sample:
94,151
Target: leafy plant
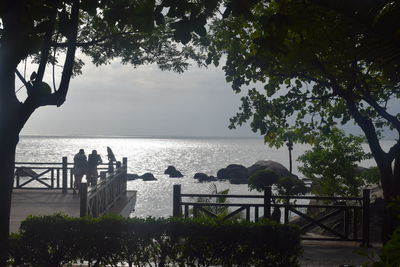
219,211
291,185
331,164
261,179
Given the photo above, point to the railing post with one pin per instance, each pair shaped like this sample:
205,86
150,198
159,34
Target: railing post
125,172
83,188
177,200
64,175
118,166
267,202
365,216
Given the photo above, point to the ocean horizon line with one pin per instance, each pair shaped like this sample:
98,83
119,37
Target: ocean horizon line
138,136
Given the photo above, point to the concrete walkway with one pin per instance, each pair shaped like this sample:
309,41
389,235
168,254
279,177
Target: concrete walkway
335,253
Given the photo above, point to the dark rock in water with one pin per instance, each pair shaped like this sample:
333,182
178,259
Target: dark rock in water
235,173
173,172
148,177
176,174
274,166
132,176
170,170
212,178
202,177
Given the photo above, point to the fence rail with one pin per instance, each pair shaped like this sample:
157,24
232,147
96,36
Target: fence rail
355,214
97,200
45,175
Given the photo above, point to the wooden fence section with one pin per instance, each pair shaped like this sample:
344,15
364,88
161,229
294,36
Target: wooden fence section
355,215
97,200
41,175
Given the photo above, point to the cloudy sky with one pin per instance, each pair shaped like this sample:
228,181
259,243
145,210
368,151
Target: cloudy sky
120,100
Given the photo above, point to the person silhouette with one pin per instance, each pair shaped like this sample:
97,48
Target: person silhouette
80,168
93,161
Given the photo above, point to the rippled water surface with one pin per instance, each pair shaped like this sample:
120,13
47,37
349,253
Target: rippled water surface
189,155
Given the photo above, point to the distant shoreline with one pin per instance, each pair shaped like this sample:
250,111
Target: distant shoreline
137,137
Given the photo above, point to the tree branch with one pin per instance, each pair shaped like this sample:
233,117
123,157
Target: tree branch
46,47
27,85
382,111
92,42
62,91
369,129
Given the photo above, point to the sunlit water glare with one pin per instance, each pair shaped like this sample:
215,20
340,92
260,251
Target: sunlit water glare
189,155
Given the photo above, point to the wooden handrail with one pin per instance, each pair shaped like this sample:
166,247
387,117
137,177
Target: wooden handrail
350,211
101,197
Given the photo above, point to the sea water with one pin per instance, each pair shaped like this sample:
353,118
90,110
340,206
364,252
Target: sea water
188,155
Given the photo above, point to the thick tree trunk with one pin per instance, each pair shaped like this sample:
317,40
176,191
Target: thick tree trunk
391,190
8,143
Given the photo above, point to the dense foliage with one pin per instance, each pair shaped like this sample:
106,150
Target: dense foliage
261,179
313,65
56,240
332,163
286,185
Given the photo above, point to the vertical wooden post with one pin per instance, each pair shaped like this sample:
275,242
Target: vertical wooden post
346,222
355,222
267,202
52,178
177,200
125,164
125,172
365,217
286,216
17,178
118,166
64,175
83,188
256,216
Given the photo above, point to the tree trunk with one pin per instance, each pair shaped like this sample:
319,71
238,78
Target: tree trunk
8,143
390,185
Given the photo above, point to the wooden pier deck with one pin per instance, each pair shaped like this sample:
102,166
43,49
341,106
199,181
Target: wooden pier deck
44,202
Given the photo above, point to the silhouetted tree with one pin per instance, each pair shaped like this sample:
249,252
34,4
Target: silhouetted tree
46,31
322,63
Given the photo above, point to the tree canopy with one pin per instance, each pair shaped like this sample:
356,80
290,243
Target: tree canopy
321,64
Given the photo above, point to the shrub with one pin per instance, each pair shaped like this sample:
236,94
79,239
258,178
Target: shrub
291,185
331,164
60,240
261,179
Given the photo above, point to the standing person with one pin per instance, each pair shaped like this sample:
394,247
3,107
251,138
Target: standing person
80,168
93,161
110,155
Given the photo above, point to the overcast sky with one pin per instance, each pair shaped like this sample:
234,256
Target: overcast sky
120,100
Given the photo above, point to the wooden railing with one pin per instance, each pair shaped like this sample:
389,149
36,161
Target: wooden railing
44,175
355,215
97,200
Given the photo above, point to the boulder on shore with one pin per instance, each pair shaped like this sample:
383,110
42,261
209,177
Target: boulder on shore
173,172
132,176
202,177
148,177
274,166
235,173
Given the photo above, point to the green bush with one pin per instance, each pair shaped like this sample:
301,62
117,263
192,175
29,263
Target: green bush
60,240
331,164
261,179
